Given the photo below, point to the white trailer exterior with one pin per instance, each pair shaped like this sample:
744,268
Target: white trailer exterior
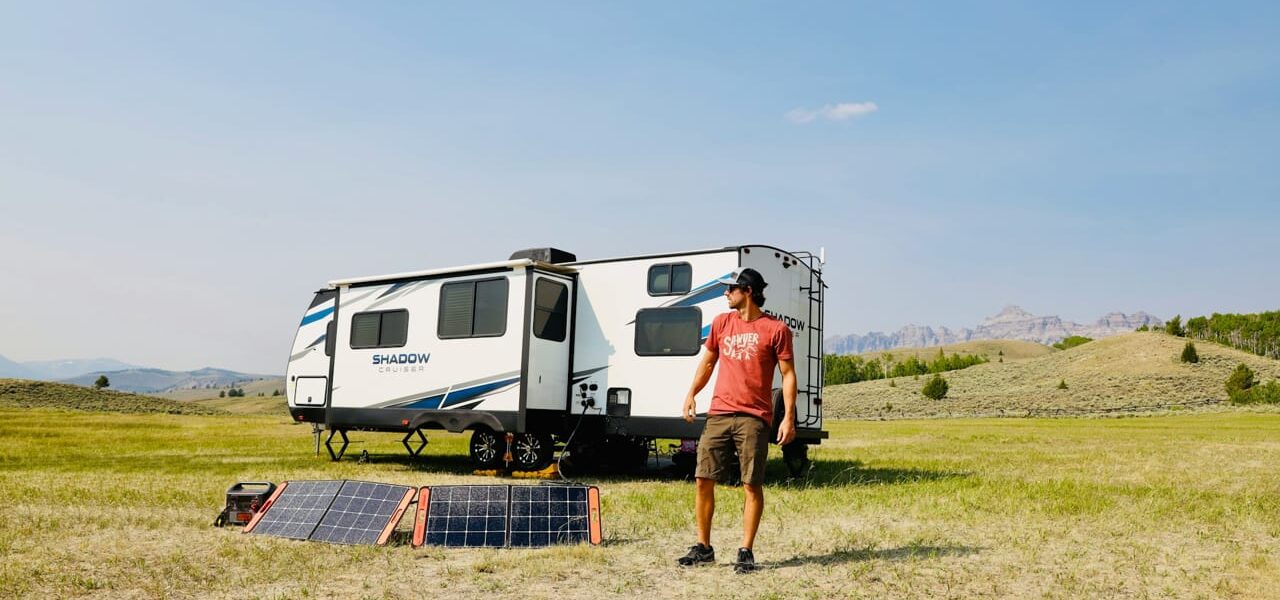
541,347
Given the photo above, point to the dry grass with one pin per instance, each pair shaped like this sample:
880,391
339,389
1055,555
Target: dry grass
120,505
1118,374
248,405
23,393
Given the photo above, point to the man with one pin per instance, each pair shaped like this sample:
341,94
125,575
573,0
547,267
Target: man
748,345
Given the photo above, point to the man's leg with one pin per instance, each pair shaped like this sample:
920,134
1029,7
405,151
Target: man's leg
705,507
751,438
713,448
751,511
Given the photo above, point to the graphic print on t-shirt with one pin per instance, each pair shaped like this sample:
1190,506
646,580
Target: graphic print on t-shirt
741,346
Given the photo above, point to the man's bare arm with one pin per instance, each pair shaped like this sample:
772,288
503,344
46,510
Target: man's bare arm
787,428
700,378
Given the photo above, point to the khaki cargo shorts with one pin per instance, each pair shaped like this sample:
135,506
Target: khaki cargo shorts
726,434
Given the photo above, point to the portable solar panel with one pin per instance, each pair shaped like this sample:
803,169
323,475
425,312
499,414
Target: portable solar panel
344,512
363,513
502,516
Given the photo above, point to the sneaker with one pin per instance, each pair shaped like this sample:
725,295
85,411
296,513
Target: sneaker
698,554
746,562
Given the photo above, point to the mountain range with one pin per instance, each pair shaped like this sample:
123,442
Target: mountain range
1012,323
53,370
123,376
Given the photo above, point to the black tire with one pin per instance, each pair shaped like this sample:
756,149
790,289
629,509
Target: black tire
531,451
488,448
625,453
779,409
796,457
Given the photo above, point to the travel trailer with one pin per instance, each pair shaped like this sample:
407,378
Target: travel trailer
543,352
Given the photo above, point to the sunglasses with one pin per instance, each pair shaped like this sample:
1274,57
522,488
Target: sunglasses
737,288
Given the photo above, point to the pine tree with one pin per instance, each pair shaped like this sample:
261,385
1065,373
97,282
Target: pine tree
1062,384
1239,382
1174,326
222,394
101,382
1189,353
936,388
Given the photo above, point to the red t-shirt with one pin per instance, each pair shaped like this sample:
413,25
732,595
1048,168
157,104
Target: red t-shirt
749,352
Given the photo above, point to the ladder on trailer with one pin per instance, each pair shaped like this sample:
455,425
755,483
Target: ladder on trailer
815,374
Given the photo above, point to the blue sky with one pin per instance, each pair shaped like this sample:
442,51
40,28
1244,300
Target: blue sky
176,179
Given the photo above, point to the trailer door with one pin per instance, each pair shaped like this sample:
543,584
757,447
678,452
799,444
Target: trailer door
547,341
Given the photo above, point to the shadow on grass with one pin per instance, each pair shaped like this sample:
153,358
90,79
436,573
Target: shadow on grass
907,552
821,474
844,473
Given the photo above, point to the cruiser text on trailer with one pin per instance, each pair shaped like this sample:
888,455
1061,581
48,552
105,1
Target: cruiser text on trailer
540,347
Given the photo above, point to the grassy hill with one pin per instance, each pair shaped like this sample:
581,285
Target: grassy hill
1136,372
251,389
1013,350
22,393
248,405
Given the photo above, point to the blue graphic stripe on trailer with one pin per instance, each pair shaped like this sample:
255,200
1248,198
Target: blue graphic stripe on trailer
457,397
698,297
394,288
461,396
318,340
428,402
313,317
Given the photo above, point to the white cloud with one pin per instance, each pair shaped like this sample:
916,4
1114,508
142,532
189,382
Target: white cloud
833,112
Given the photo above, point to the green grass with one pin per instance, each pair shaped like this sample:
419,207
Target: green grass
1182,506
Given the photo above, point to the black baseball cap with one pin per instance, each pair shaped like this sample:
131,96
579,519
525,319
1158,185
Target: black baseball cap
746,278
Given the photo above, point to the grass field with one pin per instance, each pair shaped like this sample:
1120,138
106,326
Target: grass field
120,505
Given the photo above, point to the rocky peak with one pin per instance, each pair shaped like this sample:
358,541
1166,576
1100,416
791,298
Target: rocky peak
1012,323
1010,313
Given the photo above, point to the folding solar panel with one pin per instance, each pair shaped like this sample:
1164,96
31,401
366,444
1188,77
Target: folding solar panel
464,516
344,512
295,509
544,515
363,513
507,516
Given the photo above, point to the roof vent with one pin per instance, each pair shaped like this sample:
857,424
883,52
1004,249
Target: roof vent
546,255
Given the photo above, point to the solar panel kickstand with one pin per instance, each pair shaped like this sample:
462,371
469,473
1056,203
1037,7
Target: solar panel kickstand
329,445
421,436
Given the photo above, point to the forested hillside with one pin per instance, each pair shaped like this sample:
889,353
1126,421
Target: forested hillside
1258,333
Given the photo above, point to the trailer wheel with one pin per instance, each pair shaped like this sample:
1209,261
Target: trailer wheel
531,451
487,448
796,456
779,410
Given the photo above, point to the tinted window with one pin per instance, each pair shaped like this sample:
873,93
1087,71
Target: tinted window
473,308
670,279
668,331
550,310
381,329
491,308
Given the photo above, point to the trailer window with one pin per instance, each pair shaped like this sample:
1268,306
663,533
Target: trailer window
550,310
473,309
670,279
380,329
668,331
